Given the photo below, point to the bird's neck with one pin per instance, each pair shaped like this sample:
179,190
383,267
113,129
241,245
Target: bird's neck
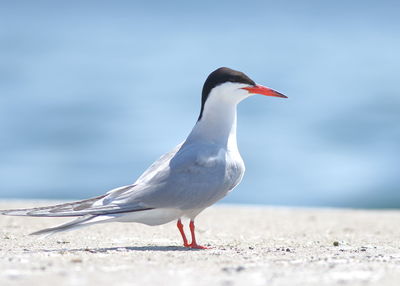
217,124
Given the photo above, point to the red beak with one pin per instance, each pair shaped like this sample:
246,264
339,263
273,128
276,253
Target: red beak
259,89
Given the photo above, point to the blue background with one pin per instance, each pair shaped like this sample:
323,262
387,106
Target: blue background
92,92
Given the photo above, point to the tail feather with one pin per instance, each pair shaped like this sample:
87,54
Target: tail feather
72,225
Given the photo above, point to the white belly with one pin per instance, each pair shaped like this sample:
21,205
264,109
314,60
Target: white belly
150,217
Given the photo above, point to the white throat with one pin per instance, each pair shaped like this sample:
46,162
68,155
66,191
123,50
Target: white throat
217,124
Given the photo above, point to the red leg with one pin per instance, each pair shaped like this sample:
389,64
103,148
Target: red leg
194,243
180,227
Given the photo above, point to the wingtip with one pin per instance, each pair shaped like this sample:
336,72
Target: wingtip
13,212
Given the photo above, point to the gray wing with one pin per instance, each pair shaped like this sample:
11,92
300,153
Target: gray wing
100,205
194,177
188,177
92,206
55,210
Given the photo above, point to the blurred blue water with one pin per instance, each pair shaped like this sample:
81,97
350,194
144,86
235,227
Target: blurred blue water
92,92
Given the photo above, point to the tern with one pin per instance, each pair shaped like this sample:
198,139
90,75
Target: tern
182,183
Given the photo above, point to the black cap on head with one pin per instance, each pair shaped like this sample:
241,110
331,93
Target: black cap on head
220,76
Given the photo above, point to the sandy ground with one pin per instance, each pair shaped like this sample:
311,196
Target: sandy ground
251,246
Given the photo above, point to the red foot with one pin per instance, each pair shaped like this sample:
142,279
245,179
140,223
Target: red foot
196,246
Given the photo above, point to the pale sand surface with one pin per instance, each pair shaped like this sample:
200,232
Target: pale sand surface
251,246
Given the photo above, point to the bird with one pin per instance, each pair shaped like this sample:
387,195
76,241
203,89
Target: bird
183,182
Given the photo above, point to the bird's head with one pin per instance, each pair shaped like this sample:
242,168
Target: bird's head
232,86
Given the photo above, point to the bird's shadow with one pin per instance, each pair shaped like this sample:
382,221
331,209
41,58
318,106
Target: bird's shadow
119,249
